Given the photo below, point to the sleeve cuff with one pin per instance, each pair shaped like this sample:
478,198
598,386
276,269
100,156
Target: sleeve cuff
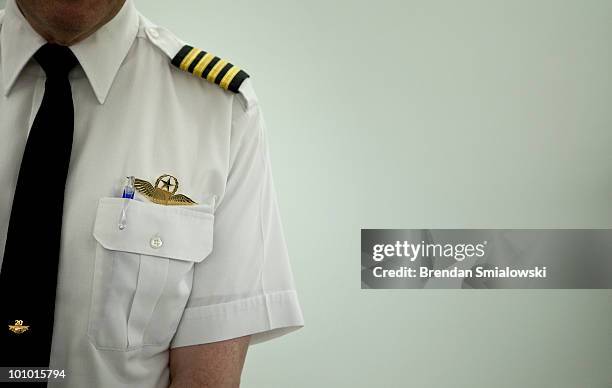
264,317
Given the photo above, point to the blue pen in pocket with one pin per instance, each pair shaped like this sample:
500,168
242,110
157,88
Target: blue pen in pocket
128,193
128,190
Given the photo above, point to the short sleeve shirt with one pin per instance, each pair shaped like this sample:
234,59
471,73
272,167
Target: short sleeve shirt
173,275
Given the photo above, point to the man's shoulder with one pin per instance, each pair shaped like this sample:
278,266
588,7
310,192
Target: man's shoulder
1,16
198,64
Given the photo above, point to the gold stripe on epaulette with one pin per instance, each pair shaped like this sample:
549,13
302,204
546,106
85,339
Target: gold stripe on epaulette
229,76
189,58
214,72
206,59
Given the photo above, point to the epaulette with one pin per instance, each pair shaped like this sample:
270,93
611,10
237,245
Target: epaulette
206,65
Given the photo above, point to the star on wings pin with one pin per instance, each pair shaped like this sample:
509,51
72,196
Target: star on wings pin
163,192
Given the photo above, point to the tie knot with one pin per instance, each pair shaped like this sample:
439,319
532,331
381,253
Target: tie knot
55,60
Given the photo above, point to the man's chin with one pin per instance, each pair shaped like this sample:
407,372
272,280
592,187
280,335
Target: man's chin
66,20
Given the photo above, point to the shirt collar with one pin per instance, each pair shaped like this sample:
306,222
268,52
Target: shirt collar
100,55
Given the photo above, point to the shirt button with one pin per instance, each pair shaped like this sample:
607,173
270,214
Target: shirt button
153,32
156,242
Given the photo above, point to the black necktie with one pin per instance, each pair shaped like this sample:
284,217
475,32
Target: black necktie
28,279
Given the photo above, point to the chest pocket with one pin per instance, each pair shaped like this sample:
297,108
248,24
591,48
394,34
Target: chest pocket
143,273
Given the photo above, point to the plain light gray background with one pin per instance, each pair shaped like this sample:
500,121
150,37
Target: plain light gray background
426,114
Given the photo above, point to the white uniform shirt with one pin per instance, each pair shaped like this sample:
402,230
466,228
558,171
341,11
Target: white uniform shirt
176,275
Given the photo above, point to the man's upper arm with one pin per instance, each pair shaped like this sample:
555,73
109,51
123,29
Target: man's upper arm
244,287
217,364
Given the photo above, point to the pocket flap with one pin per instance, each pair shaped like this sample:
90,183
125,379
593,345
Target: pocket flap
155,230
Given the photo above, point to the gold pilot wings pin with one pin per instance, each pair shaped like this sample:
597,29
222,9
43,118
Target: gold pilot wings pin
164,192
205,65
